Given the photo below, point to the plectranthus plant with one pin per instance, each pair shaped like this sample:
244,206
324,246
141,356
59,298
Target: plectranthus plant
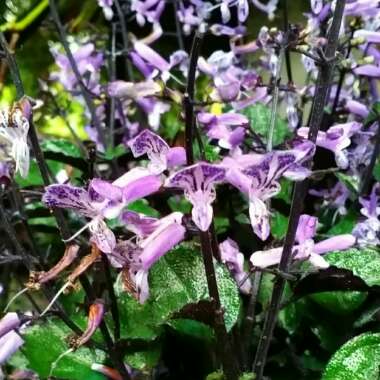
189,189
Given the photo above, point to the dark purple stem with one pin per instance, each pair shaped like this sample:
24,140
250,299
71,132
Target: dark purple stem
322,90
188,100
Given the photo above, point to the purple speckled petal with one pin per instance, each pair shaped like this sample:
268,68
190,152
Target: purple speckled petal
147,142
102,236
71,197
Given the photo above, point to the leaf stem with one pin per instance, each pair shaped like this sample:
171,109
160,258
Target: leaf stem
322,90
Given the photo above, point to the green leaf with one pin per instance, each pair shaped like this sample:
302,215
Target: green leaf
363,263
376,171
358,359
290,317
144,360
259,118
171,124
369,315
64,147
45,342
34,176
279,225
351,182
345,225
286,191
179,203
142,206
176,280
221,224
373,114
194,329
115,152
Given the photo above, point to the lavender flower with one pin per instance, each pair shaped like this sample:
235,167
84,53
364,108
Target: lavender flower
14,127
198,182
106,5
220,127
337,138
258,178
234,260
10,341
102,200
368,231
161,156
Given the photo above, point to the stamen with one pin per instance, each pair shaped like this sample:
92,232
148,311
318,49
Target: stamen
77,233
60,291
22,291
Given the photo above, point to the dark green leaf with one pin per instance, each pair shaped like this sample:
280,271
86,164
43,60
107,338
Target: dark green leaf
192,328
279,225
363,263
43,345
142,206
358,359
176,280
345,225
65,147
259,118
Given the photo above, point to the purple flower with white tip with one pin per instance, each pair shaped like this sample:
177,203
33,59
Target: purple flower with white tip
156,237
337,138
234,260
161,156
198,182
10,341
131,90
103,200
258,178
307,251
228,128
106,5
368,231
149,10
269,8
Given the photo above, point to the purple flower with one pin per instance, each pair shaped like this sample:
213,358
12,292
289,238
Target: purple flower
223,30
369,35
258,178
198,182
132,90
161,156
357,108
9,344
102,200
220,127
106,5
234,260
9,322
268,8
150,10
337,138
368,231
368,71
88,63
156,237
307,227
307,251
361,8
153,109
14,127
335,197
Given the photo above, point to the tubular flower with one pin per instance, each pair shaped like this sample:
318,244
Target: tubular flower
103,200
257,176
14,127
135,260
198,182
234,260
161,156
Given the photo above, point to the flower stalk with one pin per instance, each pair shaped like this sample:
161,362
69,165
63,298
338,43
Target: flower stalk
322,90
